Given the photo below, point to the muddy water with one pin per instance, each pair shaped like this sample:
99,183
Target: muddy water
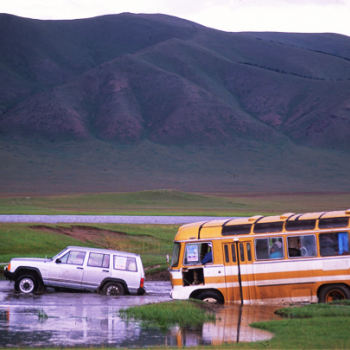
87,319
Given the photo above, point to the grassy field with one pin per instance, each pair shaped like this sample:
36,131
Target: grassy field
170,202
152,242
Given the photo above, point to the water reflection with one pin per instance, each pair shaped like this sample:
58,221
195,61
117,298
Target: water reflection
232,326
87,319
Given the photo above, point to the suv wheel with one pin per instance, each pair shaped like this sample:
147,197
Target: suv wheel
113,288
26,284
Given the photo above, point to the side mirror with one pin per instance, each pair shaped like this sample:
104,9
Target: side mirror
58,261
167,260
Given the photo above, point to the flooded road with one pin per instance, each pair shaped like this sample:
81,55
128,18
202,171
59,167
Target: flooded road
88,319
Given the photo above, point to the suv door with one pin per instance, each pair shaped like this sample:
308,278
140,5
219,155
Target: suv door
67,271
96,270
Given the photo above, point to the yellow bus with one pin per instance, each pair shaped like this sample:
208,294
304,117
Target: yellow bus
291,258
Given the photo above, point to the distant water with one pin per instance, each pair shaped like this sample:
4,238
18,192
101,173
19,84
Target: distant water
108,219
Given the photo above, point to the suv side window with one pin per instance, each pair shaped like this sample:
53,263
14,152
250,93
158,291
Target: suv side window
124,263
98,260
73,258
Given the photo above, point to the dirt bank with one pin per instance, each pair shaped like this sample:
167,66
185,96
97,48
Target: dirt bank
158,276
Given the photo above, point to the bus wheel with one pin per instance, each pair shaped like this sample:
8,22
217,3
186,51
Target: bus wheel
334,292
211,296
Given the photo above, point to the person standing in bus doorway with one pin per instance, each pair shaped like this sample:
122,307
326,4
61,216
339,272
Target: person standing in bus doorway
208,257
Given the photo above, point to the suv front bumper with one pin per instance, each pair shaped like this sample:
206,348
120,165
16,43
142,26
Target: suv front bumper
8,274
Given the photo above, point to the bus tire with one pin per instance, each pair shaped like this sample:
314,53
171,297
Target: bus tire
211,296
334,292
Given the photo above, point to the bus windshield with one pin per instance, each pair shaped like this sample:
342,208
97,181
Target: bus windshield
176,255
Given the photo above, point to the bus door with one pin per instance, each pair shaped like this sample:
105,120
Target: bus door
231,272
246,270
238,272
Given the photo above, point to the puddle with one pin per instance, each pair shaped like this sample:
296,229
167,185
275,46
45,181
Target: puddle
87,319
232,326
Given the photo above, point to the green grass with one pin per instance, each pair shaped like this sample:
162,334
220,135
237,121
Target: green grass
315,326
170,202
152,242
164,315
19,240
159,202
309,333
333,309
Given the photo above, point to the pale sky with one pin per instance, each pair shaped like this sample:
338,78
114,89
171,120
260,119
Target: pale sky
307,16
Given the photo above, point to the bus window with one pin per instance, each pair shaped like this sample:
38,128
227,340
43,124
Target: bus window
268,227
236,230
333,222
334,244
241,252
198,253
249,253
227,257
233,251
269,248
299,225
301,246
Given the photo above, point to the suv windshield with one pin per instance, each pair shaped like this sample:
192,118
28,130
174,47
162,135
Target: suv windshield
55,257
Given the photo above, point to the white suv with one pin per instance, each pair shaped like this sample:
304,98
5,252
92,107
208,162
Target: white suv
106,271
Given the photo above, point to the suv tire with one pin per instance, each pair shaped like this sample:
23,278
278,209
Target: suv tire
113,288
26,284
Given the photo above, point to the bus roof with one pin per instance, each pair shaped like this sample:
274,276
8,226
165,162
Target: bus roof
209,229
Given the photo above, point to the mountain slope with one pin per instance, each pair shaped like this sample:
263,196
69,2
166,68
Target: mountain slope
153,94
173,81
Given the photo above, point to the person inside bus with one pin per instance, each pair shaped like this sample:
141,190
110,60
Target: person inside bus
208,257
276,250
343,243
328,245
293,246
308,246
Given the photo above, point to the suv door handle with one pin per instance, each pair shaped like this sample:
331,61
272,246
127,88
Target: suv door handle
80,268
105,270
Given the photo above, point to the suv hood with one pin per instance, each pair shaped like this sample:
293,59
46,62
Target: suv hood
16,260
